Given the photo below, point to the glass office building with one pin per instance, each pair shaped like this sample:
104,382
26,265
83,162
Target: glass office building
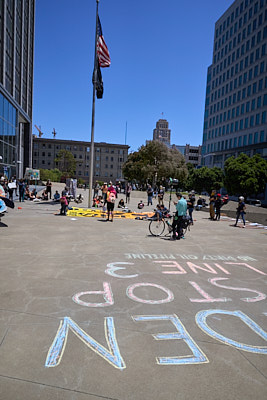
235,119
16,85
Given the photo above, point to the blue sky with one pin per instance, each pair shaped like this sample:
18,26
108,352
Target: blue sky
159,49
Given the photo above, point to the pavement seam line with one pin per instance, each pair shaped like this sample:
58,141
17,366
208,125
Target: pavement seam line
57,387
253,365
4,336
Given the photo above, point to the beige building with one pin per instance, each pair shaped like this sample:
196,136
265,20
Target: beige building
108,161
162,133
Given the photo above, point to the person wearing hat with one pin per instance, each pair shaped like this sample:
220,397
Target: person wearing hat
218,205
240,211
181,209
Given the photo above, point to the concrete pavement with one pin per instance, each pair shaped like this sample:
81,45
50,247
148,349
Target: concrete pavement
98,310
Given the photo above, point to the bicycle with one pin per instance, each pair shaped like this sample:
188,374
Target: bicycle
157,227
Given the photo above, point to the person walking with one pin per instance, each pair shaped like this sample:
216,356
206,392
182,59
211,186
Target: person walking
149,195
181,209
240,211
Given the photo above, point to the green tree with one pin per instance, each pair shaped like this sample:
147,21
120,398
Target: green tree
66,162
53,174
155,162
245,175
205,178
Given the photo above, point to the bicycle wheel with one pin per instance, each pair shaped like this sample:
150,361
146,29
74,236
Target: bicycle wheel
156,228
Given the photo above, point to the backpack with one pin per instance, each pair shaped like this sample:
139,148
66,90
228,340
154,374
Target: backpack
111,197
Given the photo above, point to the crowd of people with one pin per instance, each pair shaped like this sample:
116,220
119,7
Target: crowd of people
105,197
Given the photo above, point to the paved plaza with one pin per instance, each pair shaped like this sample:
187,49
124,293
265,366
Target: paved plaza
96,310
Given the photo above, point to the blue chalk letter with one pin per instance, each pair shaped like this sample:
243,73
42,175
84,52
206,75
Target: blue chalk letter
112,355
201,321
199,356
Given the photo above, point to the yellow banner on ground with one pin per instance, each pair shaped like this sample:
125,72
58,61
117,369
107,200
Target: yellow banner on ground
88,212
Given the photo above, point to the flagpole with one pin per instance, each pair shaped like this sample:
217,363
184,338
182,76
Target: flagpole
92,148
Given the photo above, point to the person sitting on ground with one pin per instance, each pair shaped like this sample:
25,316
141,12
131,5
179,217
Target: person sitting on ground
101,202
140,205
121,204
32,195
56,196
27,192
45,195
199,204
95,202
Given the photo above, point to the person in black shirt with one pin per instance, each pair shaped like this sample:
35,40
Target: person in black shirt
241,211
218,205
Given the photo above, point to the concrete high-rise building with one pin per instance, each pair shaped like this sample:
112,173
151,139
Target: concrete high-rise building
162,133
235,119
192,154
16,85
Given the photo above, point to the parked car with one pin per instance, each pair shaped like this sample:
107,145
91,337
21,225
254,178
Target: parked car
254,202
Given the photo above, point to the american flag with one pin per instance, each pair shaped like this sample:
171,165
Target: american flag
102,50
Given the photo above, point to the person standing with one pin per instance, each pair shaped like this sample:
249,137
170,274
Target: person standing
181,209
128,192
161,195
149,195
190,205
14,179
212,206
64,205
218,205
111,198
49,188
240,211
104,189
10,190
21,190
96,189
